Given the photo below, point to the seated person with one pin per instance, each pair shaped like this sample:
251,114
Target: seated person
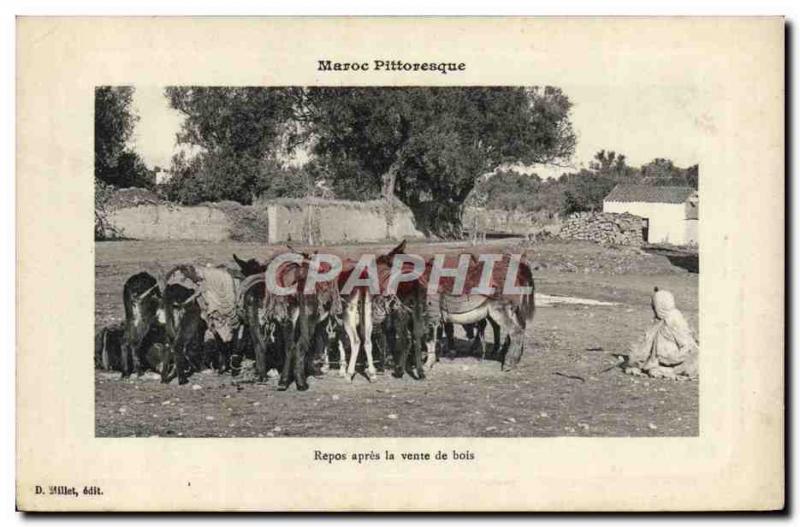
668,348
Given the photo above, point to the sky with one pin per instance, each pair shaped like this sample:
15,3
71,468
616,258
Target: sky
154,136
642,122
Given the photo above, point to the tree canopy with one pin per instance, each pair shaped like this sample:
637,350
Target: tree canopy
586,189
583,190
236,134
426,146
114,120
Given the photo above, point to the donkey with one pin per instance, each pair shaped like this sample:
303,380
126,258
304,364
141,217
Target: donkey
184,326
433,312
215,291
407,314
252,312
300,314
141,299
290,319
512,313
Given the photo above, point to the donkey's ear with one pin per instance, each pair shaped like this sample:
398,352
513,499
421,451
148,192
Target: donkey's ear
400,249
241,263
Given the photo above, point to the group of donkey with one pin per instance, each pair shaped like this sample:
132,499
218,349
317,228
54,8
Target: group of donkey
165,321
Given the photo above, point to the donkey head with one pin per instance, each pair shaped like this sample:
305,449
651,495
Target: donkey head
249,267
400,249
388,258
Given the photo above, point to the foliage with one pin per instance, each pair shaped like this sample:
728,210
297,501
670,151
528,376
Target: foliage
236,120
114,162
207,177
662,172
585,191
574,192
507,189
428,146
103,230
237,132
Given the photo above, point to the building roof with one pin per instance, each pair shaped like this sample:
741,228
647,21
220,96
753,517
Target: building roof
650,194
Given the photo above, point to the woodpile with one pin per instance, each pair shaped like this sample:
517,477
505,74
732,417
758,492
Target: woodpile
606,228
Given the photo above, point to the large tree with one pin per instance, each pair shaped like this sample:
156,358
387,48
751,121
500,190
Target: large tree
114,121
428,146
236,133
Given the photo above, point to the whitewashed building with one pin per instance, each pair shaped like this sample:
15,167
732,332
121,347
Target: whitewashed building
670,214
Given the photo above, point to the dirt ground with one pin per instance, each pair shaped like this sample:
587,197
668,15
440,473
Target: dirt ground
565,385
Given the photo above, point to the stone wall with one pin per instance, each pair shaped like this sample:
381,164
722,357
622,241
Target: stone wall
307,221
494,221
315,221
170,222
667,221
603,227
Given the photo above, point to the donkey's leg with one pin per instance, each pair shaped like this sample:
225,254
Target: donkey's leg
238,351
401,328
317,350
257,335
430,342
342,357
451,342
481,338
469,331
225,349
504,315
474,335
351,328
136,354
367,307
126,358
496,337
276,346
301,346
419,328
322,345
180,361
166,362
380,343
417,343
222,355
286,329
391,342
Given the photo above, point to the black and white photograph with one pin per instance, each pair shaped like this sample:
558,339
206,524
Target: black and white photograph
400,263
197,189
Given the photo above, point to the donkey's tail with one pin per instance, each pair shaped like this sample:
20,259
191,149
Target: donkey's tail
527,307
247,284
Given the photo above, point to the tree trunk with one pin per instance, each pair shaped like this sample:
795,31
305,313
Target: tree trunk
440,219
390,180
389,184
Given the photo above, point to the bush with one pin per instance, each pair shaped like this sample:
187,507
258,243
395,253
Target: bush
103,230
